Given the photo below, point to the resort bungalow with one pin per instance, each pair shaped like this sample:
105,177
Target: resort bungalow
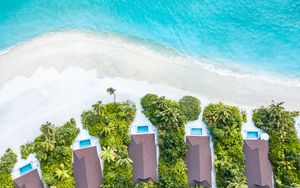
258,166
198,161
27,174
86,165
142,151
29,180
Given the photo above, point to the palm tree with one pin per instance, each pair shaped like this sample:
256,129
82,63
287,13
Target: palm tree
161,103
124,162
223,113
105,130
170,116
111,91
48,145
276,109
238,183
108,154
61,173
49,130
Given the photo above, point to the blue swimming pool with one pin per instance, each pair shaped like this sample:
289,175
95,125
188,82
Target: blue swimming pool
252,134
85,143
142,129
25,169
196,131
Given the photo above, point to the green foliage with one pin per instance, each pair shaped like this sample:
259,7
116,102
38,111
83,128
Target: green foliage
111,123
284,144
190,107
225,124
173,175
148,184
239,182
244,116
27,149
53,150
7,162
168,116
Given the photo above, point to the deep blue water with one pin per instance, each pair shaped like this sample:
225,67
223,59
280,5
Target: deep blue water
262,34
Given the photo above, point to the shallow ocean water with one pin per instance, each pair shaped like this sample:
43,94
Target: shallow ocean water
248,36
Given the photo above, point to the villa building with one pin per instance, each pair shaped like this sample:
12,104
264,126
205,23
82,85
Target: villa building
198,161
142,151
29,180
87,168
258,165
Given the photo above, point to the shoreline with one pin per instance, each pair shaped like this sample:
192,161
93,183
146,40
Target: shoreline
238,71
119,58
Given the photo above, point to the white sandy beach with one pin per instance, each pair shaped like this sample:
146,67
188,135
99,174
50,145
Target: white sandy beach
56,76
115,57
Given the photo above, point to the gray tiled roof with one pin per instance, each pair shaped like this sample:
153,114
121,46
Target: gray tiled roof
258,165
142,151
87,168
29,180
198,161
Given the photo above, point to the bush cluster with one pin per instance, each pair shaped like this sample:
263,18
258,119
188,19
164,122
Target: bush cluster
111,122
149,184
7,163
190,107
284,145
53,150
225,124
170,116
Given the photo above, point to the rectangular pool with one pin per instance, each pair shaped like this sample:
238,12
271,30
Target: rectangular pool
142,129
25,169
85,143
196,131
252,134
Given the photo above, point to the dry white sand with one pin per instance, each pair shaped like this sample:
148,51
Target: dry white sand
78,67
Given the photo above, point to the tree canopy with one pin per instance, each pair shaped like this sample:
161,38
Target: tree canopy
111,123
7,163
284,144
170,116
53,150
225,123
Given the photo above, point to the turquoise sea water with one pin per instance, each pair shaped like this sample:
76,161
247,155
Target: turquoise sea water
260,34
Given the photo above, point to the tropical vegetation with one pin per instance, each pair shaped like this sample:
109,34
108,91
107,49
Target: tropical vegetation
169,117
111,123
112,91
284,144
53,150
7,162
225,124
190,107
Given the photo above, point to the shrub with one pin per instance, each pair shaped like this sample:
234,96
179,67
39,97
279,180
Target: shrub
53,150
190,107
148,184
244,116
173,175
284,144
111,123
225,124
168,116
27,149
7,163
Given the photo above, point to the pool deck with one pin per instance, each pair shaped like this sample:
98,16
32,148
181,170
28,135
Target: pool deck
23,162
205,132
249,126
